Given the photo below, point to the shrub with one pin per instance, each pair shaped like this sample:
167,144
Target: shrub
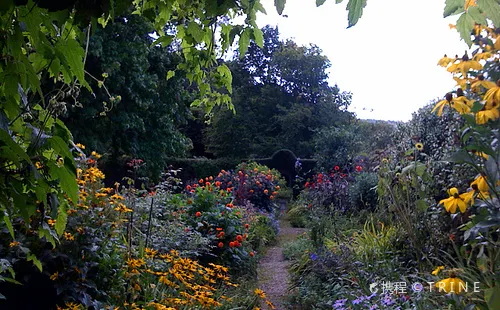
363,192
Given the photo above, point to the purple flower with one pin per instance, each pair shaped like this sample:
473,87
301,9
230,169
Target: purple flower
373,307
387,301
313,256
339,304
357,301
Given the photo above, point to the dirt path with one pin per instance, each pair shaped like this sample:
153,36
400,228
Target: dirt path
273,274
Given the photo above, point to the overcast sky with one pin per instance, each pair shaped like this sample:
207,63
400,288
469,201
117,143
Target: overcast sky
388,60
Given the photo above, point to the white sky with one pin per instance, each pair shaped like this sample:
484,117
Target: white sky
388,60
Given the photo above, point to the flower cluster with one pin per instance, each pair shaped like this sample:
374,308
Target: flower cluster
484,98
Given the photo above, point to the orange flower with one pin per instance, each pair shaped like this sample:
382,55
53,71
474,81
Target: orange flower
220,245
198,214
200,181
247,226
231,244
217,183
252,254
239,238
266,191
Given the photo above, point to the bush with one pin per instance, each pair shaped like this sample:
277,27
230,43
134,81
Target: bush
363,192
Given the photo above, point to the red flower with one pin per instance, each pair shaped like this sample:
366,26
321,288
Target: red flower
198,214
200,181
307,184
231,244
251,254
220,245
217,183
336,168
188,187
239,238
359,168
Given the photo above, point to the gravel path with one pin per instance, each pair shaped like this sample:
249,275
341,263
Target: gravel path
273,274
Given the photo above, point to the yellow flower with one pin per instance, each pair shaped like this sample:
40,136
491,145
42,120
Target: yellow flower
481,56
480,184
68,236
445,61
440,105
419,146
260,293
469,3
455,200
14,244
451,285
437,270
461,82
481,82
38,165
96,155
483,116
493,93
54,276
81,146
51,222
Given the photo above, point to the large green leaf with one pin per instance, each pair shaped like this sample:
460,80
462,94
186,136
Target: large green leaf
465,23
355,10
477,16
62,219
320,2
492,297
244,41
492,10
453,7
280,6
36,262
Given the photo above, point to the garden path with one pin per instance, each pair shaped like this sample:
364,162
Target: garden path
273,274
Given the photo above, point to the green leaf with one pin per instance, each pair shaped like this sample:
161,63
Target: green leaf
62,220
453,7
244,41
355,10
320,2
170,74
492,297
36,262
67,179
477,15
492,10
465,23
258,36
11,150
195,31
280,6
163,41
460,157
8,223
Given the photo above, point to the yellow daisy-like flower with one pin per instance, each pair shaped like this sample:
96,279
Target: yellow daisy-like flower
260,293
484,116
481,56
481,83
480,184
96,155
445,61
493,93
455,200
461,82
81,146
440,105
451,285
437,270
419,146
